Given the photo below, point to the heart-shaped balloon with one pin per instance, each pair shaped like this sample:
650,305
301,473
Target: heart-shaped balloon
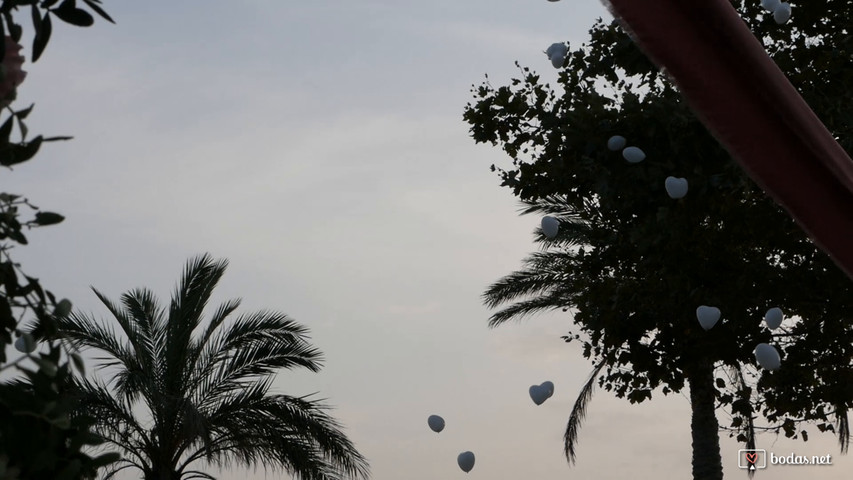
25,343
633,154
550,226
675,187
436,423
767,356
616,143
782,13
769,5
465,461
707,316
540,393
773,318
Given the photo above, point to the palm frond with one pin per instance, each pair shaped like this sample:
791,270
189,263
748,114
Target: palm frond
281,431
254,345
79,330
570,438
148,317
520,310
574,230
201,275
115,421
201,344
843,427
543,272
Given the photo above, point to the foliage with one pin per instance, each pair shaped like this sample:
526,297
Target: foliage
38,437
205,389
632,265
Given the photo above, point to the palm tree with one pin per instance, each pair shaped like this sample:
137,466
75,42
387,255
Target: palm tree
180,392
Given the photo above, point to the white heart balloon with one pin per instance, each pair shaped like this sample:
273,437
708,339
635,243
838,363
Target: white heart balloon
675,187
549,388
542,392
550,226
782,13
616,143
773,318
633,154
465,461
767,356
538,394
436,423
769,5
707,316
25,344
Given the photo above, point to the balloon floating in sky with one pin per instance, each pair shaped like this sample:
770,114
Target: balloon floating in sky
769,5
633,155
25,344
436,423
550,226
557,54
782,13
465,461
616,143
707,316
773,318
540,393
767,356
675,187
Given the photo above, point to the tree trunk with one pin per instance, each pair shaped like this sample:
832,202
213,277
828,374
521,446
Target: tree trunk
707,464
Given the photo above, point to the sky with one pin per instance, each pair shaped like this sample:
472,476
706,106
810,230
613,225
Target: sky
319,146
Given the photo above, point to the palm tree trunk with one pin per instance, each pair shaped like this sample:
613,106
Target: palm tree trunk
707,464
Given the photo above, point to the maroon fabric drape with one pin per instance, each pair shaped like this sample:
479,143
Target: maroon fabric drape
750,106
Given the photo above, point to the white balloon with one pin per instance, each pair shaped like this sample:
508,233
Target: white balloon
550,226
549,388
538,394
707,316
25,344
436,423
770,5
782,13
465,461
556,48
767,356
557,54
633,154
616,142
773,318
675,187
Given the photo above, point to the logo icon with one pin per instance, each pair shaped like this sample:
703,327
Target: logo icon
751,459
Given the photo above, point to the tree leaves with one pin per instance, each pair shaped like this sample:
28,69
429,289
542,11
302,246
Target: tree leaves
93,4
48,218
42,36
69,13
